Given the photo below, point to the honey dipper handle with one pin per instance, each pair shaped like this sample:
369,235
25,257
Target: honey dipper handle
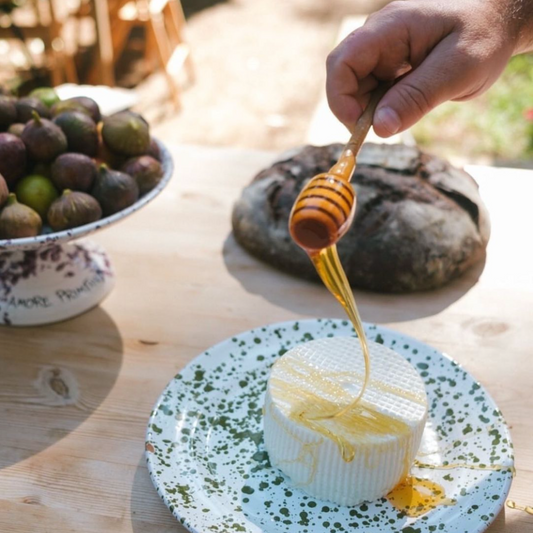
365,120
346,162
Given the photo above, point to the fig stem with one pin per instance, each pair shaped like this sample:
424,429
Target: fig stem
36,117
66,192
11,199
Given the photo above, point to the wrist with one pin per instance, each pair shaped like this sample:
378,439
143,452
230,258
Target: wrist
520,16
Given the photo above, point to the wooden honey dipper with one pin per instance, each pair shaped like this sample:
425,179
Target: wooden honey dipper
325,207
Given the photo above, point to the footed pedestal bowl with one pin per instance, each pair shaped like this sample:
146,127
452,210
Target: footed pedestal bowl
55,276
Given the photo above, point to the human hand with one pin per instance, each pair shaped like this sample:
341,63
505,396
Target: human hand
437,51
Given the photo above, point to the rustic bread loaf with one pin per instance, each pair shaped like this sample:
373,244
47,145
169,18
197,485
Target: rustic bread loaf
419,221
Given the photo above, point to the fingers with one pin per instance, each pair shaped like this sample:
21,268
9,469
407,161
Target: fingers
391,43
442,76
377,51
349,81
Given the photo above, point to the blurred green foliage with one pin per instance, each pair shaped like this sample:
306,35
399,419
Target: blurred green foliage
497,125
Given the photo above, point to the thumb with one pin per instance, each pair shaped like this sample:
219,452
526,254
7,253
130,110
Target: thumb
444,74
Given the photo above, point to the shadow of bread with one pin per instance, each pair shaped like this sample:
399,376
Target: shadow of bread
312,299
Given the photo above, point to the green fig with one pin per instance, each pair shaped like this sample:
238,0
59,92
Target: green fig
126,133
80,131
4,191
18,220
12,158
145,170
74,171
46,95
37,192
73,209
8,112
114,190
44,140
27,106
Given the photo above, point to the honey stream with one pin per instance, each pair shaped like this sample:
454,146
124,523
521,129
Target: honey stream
330,270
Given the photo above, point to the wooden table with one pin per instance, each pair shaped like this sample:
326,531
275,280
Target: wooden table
75,397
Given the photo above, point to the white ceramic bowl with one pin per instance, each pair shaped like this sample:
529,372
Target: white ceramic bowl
48,278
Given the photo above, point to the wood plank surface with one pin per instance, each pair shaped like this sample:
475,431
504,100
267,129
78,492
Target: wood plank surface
75,396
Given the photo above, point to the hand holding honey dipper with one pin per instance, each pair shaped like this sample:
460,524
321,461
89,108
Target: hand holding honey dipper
437,51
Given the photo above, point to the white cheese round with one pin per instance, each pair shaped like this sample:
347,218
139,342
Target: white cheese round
361,454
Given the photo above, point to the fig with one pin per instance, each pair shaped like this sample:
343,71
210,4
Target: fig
4,191
68,105
145,170
73,209
8,112
80,131
36,192
18,220
154,150
74,171
27,106
90,105
44,140
126,133
114,190
12,158
16,129
46,95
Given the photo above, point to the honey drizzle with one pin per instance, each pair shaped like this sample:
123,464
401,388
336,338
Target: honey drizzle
453,466
348,429
413,496
513,505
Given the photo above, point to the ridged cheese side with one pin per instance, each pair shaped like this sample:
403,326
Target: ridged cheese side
361,455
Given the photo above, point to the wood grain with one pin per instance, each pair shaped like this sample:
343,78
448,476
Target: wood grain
75,396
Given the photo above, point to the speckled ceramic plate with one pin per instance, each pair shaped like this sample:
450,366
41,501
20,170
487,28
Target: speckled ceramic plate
207,461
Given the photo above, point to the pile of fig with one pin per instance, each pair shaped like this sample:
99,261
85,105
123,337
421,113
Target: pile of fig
64,165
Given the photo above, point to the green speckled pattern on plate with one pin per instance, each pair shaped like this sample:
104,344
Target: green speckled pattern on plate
206,456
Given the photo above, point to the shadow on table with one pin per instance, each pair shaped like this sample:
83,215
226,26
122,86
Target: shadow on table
52,378
148,512
306,297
